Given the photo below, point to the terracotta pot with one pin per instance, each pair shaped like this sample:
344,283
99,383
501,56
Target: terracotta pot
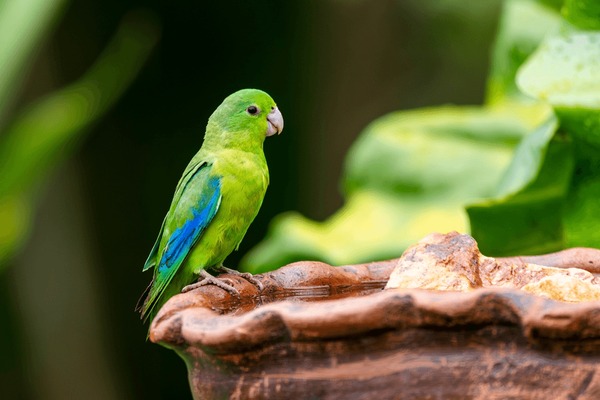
323,332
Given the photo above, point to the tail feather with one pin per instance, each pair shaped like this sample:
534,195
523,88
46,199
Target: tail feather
149,303
141,305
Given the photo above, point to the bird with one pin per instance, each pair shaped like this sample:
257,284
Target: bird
215,201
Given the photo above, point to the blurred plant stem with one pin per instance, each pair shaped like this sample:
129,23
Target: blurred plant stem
45,133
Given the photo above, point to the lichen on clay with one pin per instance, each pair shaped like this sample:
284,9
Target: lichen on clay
453,262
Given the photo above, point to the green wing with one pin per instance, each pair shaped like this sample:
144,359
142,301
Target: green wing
195,204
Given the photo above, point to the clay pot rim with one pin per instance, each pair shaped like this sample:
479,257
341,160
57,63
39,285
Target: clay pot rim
192,319
537,317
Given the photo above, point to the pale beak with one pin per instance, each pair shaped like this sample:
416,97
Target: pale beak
274,122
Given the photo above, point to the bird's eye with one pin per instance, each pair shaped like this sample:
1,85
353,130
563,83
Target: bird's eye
252,110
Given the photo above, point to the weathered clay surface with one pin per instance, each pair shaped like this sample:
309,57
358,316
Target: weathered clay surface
322,332
453,262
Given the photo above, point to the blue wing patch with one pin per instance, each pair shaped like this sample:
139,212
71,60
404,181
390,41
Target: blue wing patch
184,237
200,203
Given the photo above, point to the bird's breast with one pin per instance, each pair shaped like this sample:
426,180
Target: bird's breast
244,181
243,178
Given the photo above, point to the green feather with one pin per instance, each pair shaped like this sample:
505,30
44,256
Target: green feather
151,260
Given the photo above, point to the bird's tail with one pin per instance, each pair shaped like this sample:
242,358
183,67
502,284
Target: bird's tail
149,304
141,305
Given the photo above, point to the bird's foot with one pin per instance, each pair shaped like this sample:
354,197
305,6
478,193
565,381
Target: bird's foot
208,279
246,275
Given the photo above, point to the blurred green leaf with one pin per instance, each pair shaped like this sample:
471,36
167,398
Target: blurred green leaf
15,216
548,199
527,166
409,173
23,24
565,71
522,27
571,84
584,14
581,212
47,131
524,217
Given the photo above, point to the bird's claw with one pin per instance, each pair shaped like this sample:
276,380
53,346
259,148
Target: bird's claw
208,279
246,275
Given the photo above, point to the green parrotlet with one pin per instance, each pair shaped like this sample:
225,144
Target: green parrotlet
216,199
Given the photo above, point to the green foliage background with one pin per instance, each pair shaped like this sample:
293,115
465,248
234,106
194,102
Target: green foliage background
46,131
520,172
99,114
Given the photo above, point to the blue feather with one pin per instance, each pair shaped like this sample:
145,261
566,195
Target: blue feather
184,237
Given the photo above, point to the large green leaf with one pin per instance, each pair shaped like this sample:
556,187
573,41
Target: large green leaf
524,213
524,217
522,27
410,173
549,197
565,71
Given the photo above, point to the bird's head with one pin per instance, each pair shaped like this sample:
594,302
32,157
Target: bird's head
245,117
